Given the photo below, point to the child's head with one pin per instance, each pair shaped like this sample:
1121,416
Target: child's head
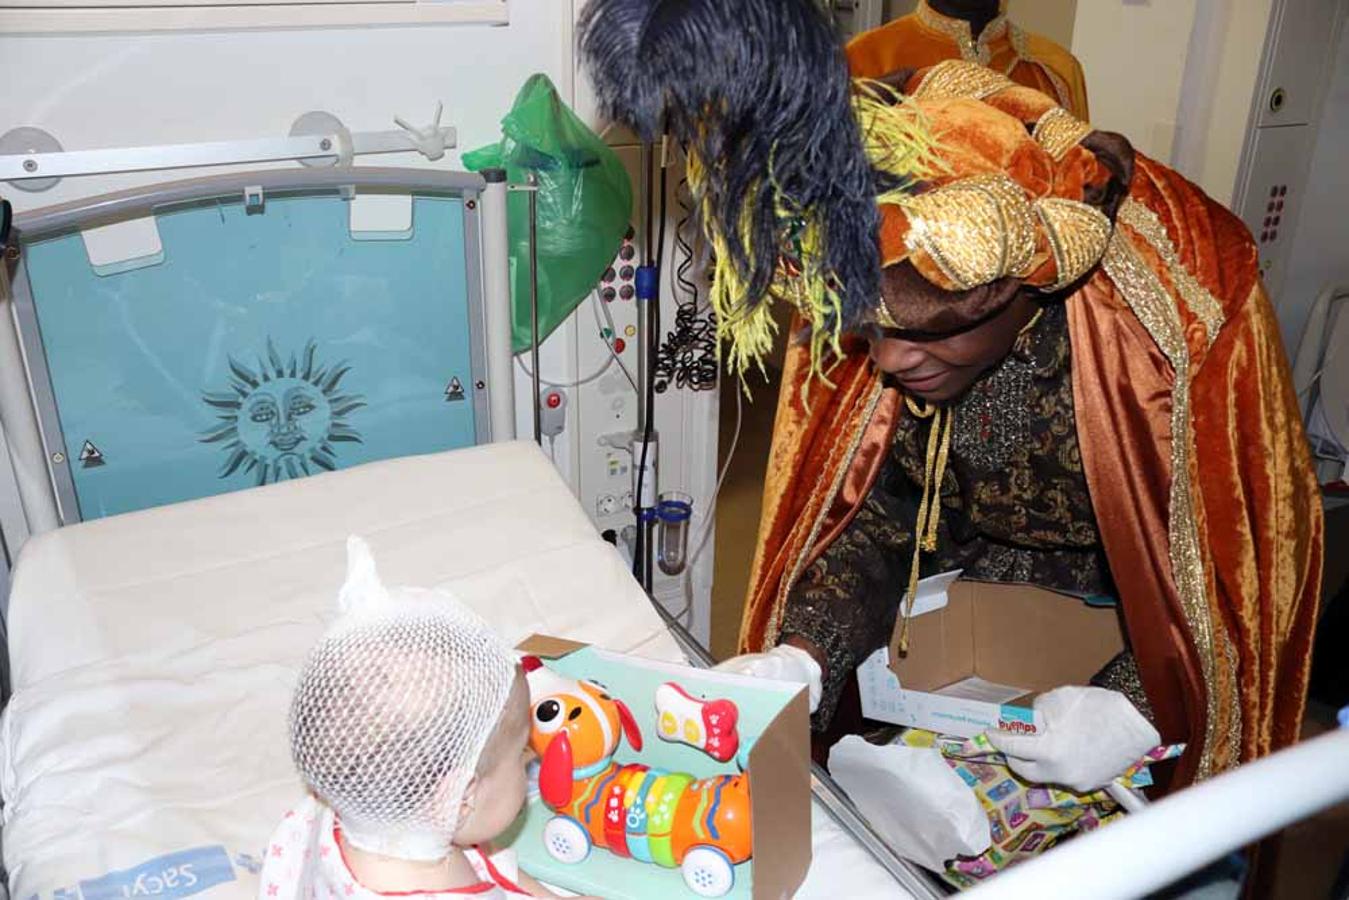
498,789
407,720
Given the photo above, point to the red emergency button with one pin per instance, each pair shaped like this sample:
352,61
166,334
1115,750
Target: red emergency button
554,401
619,345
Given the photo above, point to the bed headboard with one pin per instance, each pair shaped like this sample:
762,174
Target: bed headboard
263,337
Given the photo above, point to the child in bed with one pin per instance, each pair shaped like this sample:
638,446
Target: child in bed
409,726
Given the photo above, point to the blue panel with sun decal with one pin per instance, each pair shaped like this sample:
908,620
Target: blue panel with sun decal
257,347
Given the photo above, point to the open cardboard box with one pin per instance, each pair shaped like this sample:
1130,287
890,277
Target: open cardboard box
773,714
977,660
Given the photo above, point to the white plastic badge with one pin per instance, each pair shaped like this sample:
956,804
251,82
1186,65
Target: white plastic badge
931,593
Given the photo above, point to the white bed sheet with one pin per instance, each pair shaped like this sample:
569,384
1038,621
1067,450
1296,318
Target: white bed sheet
153,655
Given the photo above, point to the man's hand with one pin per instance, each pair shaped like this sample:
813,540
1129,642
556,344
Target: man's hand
783,663
1091,736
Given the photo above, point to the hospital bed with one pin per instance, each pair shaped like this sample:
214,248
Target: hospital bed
153,654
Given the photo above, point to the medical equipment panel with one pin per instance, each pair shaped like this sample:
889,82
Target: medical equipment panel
264,340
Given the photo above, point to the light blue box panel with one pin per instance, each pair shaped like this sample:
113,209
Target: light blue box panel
257,347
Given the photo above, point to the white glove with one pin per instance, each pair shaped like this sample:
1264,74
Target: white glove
1091,736
783,663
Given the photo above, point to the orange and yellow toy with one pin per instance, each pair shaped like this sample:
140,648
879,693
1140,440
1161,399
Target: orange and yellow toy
673,819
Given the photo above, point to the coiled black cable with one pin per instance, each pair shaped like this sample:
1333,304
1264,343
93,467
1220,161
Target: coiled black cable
688,355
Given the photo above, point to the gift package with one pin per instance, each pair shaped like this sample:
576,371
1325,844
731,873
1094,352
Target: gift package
660,780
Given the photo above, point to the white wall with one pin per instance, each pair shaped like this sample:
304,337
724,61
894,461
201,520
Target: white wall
1227,96
131,90
1176,77
1134,58
1320,253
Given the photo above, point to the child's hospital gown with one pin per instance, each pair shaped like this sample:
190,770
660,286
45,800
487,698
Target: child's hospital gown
305,862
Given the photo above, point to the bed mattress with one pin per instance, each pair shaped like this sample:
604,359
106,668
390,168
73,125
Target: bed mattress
143,752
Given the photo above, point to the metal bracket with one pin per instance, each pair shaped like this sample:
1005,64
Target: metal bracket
33,160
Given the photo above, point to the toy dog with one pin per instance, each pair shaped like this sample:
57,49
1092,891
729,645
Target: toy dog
672,819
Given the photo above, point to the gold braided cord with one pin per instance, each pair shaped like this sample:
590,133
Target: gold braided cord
1159,314
1078,234
956,79
1058,131
929,507
976,229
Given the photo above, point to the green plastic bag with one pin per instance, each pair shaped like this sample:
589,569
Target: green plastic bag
584,204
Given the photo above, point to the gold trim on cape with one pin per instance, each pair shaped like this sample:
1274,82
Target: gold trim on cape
1202,303
1159,314
774,623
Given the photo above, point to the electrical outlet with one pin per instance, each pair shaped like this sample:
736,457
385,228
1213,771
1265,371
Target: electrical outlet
607,505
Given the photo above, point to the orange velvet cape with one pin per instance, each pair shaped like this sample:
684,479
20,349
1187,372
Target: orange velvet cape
1195,457
925,38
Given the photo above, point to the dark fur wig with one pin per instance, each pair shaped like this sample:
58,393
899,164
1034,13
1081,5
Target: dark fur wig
758,92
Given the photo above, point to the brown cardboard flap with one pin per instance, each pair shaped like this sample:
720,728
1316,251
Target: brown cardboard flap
546,647
1011,634
779,796
941,644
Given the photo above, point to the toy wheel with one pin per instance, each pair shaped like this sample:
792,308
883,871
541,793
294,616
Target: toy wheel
707,872
565,840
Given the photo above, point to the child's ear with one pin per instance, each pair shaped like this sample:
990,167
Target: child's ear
468,802
362,588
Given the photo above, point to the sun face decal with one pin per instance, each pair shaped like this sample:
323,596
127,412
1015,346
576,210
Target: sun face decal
284,419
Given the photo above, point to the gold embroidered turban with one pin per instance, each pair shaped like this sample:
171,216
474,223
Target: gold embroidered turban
1009,199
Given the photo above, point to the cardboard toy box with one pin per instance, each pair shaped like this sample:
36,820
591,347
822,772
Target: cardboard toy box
773,715
980,652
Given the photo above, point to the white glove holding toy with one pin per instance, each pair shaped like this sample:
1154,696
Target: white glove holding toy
1091,737
783,663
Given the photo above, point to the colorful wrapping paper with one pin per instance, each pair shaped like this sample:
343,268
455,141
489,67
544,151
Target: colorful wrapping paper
1024,819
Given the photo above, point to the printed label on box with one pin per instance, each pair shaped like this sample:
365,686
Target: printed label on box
884,700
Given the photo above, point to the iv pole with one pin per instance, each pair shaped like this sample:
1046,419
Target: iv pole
645,440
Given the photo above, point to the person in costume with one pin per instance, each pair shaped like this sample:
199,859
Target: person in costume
1038,356
976,31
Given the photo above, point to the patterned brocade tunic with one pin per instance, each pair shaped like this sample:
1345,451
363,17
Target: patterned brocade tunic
1015,508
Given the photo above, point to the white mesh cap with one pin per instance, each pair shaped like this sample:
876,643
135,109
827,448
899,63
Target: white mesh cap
393,708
